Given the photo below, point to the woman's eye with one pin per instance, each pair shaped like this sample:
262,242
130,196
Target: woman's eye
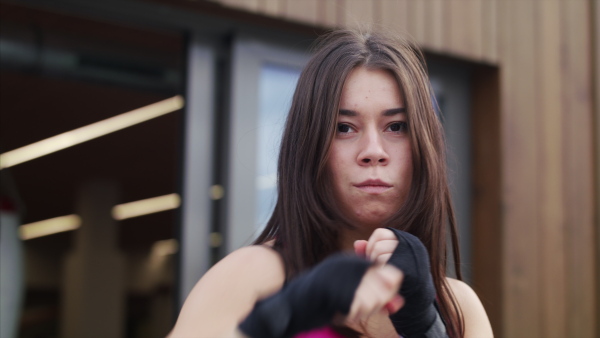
398,127
343,128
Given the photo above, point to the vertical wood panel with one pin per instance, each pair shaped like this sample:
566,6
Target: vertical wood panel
521,235
250,5
550,180
474,28
596,67
358,13
327,13
464,25
305,10
577,100
456,26
506,77
416,20
270,7
486,209
394,15
377,15
434,12
489,31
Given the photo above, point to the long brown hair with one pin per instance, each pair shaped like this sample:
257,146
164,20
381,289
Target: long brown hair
306,221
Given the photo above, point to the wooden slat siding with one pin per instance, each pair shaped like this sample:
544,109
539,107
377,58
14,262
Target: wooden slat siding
358,13
506,75
327,13
394,15
489,31
304,11
434,13
577,123
486,199
377,15
249,5
455,27
596,60
550,179
476,27
507,105
520,159
474,24
416,20
270,7
463,33
341,13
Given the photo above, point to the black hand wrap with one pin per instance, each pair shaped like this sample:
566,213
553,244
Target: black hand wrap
418,314
309,301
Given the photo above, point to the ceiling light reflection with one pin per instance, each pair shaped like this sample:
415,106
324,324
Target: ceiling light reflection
147,206
89,132
119,212
165,247
49,227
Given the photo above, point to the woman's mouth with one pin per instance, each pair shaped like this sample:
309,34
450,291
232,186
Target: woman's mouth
373,186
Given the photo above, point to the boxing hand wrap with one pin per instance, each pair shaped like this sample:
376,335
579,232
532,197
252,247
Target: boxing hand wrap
309,301
418,317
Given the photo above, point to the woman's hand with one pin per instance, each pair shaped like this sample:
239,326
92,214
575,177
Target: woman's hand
407,253
379,247
317,296
384,279
377,291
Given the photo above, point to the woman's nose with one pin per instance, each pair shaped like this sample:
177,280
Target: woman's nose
372,150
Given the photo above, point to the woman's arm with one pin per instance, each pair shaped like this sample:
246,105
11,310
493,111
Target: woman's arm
228,291
477,323
340,286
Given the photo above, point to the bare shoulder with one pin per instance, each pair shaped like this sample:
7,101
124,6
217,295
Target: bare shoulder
257,263
477,323
228,291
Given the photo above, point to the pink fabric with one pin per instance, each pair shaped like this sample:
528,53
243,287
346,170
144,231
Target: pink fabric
325,332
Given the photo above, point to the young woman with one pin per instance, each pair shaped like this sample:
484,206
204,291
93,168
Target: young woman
361,169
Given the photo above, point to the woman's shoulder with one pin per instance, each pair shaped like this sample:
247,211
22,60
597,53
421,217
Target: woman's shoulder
228,291
258,265
461,290
477,323
262,257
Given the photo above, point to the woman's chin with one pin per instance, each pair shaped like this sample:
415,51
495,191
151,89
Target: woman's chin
371,221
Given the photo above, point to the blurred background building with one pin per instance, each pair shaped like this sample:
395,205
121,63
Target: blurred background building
138,142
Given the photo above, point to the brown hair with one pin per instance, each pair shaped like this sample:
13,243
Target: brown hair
306,221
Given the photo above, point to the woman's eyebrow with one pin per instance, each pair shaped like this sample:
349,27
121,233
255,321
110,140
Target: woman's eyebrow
346,112
387,112
394,111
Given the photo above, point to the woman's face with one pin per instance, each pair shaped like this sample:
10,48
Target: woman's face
370,159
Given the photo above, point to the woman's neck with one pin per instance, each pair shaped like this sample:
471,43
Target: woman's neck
348,237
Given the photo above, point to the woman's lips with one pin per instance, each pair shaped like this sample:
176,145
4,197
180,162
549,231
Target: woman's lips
373,186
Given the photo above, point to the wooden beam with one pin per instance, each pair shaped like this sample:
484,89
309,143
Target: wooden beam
486,208
595,13
578,168
550,180
521,311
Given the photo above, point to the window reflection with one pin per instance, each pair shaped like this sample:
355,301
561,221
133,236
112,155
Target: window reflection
276,88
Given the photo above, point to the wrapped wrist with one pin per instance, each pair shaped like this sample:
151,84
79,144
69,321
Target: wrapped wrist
309,301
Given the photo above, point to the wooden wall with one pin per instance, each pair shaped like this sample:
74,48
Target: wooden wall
542,281
596,58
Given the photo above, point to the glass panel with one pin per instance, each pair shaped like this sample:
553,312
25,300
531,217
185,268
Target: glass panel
452,91
276,88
